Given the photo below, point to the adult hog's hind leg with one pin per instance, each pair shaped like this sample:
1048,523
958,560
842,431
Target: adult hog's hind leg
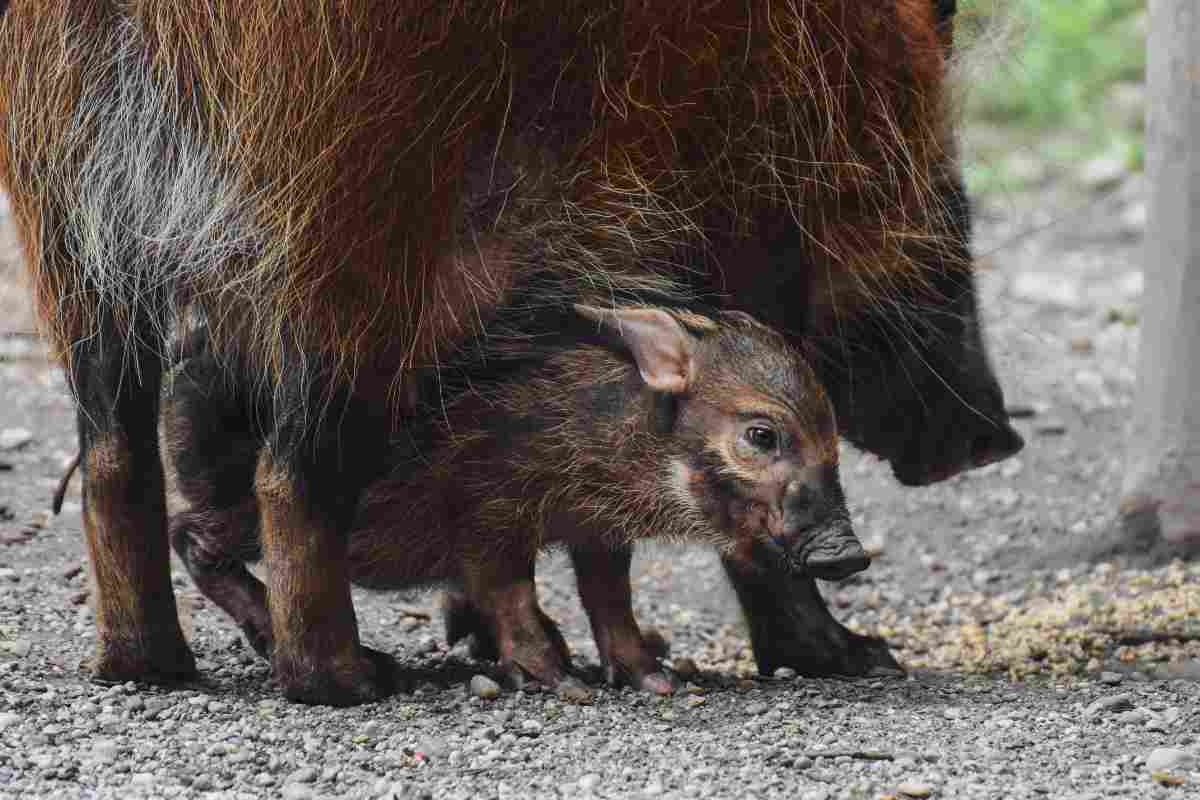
116,380
602,577
790,626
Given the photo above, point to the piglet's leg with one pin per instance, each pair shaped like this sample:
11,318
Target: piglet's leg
528,644
209,543
464,621
602,576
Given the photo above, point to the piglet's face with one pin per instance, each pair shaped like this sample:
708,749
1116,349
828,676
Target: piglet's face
753,439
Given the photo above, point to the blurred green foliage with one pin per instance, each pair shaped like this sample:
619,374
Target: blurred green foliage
1067,55
1056,78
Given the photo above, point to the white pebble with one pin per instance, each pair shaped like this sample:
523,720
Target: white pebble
1169,758
484,687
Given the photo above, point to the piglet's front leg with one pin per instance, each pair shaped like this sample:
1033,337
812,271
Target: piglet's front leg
500,590
602,576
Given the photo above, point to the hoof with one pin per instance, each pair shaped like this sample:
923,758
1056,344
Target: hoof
659,683
167,660
463,622
656,643
853,656
369,677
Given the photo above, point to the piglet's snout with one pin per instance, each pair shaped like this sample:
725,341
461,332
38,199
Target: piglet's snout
816,528
834,552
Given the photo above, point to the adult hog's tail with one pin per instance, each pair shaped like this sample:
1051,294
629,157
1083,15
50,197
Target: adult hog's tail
64,482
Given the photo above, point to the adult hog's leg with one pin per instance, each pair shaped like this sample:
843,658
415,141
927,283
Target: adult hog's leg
790,626
308,482
602,576
500,587
116,376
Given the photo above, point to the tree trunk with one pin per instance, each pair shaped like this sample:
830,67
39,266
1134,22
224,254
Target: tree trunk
1162,486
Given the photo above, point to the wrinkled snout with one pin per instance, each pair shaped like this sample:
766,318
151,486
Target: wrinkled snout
816,535
833,552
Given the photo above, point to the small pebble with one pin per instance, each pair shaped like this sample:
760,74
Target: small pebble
14,438
785,673
1111,678
914,789
1050,427
17,647
1021,411
571,692
296,791
1116,702
484,687
303,775
105,751
1165,759
589,782
1082,345
432,747
1139,716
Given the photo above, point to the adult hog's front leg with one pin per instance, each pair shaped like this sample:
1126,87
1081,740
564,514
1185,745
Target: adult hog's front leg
308,484
790,625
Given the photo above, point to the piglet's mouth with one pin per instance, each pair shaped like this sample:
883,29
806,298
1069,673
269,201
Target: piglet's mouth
831,554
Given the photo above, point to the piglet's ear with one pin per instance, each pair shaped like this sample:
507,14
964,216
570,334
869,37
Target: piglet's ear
663,350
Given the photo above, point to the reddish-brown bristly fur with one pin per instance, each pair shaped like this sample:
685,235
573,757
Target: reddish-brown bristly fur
343,191
324,195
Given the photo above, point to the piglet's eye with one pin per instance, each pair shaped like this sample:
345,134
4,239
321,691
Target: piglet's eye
761,438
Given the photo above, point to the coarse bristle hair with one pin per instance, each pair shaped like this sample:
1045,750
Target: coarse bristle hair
350,185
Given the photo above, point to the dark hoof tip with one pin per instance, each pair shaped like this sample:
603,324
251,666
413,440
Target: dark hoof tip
373,676
167,667
656,643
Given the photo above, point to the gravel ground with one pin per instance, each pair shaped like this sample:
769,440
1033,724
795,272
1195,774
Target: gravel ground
1034,672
